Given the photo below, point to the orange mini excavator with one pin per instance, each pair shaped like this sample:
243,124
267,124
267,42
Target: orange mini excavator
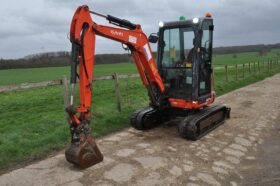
179,84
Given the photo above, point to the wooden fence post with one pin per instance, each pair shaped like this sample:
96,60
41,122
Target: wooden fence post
226,69
117,91
243,70
236,72
65,97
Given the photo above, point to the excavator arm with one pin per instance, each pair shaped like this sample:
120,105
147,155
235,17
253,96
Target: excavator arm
83,150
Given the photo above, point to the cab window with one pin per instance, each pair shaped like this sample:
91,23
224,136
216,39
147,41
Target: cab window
206,41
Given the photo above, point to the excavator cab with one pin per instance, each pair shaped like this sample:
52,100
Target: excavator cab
185,58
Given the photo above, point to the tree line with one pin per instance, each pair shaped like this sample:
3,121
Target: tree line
249,48
49,60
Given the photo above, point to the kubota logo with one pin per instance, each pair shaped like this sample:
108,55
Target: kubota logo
116,33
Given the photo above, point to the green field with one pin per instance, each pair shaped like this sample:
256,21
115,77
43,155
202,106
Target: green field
33,124
232,59
16,76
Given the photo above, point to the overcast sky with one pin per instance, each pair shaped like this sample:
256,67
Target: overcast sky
36,26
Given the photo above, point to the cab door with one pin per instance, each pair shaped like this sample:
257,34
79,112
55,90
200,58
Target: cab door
205,61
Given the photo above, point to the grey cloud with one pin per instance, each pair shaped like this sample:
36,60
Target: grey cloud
28,26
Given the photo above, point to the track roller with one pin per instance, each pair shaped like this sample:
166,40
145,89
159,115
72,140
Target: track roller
199,124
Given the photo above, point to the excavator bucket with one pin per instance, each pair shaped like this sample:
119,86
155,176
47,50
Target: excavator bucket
84,153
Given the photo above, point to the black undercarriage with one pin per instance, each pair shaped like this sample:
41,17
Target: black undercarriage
194,125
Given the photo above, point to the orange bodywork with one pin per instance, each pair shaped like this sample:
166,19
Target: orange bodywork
185,104
141,52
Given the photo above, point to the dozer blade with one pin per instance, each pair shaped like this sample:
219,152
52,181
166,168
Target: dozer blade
199,124
84,153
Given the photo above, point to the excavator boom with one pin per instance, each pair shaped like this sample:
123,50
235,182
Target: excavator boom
83,36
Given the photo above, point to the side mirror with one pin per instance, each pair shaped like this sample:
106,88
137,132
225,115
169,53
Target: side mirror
153,38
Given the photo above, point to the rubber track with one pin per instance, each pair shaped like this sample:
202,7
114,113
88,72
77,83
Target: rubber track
189,128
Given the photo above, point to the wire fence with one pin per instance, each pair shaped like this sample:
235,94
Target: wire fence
241,71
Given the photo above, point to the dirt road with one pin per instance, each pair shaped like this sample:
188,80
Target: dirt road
243,151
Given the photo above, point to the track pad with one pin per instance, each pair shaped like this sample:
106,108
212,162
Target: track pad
84,153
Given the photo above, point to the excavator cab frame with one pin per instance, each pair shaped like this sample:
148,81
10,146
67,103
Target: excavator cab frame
184,59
